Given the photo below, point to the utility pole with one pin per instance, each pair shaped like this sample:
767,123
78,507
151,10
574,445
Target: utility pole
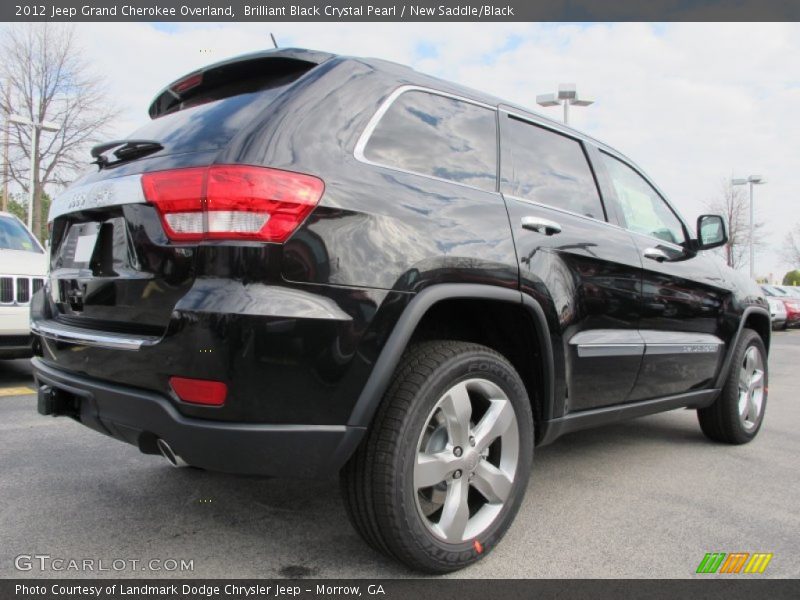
36,128
4,204
6,126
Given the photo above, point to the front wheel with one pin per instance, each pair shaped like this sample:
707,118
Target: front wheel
444,467
736,416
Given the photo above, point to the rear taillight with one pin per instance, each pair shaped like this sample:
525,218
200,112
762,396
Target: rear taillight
231,202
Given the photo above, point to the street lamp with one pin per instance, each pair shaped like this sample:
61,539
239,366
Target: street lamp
567,95
752,180
36,127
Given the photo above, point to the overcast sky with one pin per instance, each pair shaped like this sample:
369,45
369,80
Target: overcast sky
690,103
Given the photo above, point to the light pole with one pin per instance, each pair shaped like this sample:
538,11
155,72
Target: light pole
36,127
567,95
752,180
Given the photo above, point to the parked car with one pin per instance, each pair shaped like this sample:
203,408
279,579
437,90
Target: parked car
791,290
791,303
23,267
309,264
777,310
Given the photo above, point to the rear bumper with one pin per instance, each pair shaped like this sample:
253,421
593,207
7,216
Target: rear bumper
792,319
140,417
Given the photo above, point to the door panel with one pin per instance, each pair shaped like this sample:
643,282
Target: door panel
682,305
584,271
683,293
587,279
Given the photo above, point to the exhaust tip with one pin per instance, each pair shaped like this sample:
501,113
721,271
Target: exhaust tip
169,454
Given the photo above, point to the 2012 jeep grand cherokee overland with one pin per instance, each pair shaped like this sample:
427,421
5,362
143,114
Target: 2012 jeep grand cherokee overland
308,264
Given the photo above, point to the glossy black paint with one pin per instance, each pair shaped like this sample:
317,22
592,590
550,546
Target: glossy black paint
308,332
585,277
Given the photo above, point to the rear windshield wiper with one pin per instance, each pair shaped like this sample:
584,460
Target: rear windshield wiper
126,150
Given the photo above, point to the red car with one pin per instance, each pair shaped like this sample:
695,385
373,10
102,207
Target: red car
791,302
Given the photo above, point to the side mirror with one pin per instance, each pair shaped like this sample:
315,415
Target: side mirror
711,232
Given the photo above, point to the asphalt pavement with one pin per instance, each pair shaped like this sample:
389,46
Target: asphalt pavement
645,498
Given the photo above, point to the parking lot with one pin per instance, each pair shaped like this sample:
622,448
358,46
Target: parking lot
646,498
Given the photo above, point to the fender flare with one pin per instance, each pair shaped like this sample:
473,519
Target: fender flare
380,377
726,364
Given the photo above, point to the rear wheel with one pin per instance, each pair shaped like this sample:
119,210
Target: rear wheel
736,416
443,470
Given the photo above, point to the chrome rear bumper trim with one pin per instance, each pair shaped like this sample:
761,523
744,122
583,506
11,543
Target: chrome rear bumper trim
59,332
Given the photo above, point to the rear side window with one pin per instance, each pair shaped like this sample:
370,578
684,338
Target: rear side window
437,136
547,167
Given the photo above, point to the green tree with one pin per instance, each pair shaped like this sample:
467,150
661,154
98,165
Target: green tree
20,210
792,278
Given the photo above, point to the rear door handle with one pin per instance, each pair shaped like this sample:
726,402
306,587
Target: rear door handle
656,254
545,226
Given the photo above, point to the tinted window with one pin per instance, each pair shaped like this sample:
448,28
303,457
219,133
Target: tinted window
439,136
773,291
14,236
206,126
643,209
541,165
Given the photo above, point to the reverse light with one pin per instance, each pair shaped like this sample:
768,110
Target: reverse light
199,391
231,202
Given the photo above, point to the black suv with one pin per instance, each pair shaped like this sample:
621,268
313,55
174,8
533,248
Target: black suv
308,264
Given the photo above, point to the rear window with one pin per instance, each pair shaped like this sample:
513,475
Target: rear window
773,291
437,136
14,236
208,120
226,99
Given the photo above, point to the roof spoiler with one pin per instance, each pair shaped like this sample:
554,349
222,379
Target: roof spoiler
283,58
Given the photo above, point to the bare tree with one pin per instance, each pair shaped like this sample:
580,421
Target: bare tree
46,78
791,247
734,205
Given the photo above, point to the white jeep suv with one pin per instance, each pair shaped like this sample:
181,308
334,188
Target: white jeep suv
23,268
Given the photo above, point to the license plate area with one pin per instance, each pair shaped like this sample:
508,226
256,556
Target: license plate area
78,247
102,247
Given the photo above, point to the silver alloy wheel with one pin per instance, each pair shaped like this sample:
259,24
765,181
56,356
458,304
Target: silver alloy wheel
464,471
751,388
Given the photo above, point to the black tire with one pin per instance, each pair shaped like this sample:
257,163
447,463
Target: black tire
722,421
378,482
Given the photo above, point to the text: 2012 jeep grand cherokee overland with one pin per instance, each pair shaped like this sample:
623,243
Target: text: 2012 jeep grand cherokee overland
308,264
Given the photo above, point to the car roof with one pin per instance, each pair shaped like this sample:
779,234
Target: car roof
392,68
405,74
444,85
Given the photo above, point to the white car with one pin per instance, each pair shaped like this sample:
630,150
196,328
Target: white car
23,268
777,310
